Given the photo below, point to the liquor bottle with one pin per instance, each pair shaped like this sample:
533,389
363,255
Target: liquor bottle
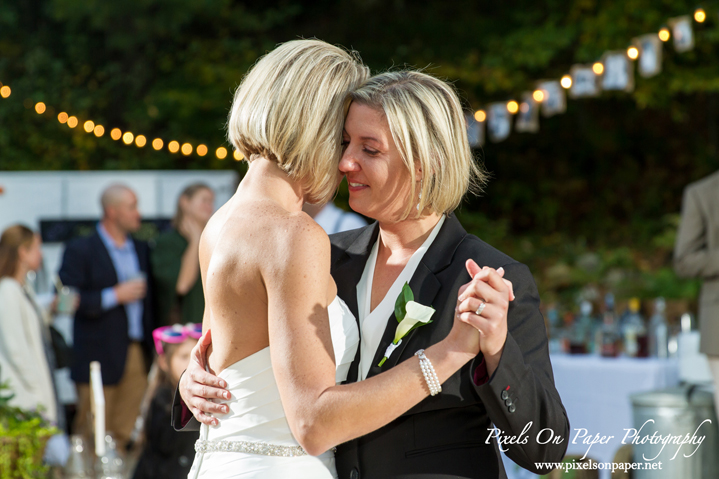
609,331
659,331
555,333
634,332
579,337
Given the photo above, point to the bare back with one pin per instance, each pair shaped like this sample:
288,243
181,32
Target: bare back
243,241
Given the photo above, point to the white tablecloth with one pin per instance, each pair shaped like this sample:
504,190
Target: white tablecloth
595,392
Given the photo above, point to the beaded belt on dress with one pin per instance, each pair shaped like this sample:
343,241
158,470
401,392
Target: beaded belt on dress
250,447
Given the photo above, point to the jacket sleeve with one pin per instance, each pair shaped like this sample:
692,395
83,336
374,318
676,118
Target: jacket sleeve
73,272
13,339
692,257
520,397
182,418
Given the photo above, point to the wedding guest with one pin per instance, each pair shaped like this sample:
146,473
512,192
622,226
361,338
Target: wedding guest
113,322
175,262
168,453
333,219
26,356
696,255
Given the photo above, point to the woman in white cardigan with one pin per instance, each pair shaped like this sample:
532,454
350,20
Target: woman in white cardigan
25,348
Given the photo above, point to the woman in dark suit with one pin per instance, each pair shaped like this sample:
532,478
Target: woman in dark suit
408,165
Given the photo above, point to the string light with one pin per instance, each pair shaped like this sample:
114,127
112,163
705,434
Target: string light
700,15
566,82
127,138
99,130
116,134
62,117
221,153
173,146
72,122
5,91
186,149
89,126
157,144
238,156
598,68
40,108
140,141
201,150
512,107
480,115
664,34
633,53
538,96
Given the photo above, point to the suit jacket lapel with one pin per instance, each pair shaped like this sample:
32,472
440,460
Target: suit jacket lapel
105,256
425,286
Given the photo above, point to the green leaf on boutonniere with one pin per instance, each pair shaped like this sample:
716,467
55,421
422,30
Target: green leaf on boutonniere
400,306
410,315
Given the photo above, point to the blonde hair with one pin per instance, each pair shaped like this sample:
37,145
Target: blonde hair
428,126
290,109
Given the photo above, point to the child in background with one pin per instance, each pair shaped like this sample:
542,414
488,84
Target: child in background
168,453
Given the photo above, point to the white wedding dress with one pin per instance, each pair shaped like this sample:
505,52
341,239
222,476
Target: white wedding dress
254,439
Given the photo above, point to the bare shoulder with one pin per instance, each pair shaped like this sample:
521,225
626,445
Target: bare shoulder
302,241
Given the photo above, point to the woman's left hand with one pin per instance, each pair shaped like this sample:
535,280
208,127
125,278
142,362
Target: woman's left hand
489,294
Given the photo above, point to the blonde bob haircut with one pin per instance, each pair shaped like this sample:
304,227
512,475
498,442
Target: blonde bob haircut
428,126
290,109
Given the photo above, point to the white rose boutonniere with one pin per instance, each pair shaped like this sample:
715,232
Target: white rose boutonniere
410,316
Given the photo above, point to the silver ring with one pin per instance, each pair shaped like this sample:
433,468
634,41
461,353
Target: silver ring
482,305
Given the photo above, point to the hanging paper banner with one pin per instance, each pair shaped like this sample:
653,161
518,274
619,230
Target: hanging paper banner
475,131
499,122
618,72
682,33
584,82
554,99
650,54
528,117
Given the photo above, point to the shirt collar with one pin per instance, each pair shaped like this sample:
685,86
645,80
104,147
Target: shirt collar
110,243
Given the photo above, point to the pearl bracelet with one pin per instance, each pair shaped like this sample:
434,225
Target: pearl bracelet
430,376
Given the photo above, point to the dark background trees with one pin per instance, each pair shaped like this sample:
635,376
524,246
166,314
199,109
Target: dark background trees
599,178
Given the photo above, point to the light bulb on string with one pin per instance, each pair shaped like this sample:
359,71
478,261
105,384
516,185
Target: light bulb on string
201,150
99,130
221,153
566,82
140,141
72,122
633,53
186,149
89,126
480,115
598,68
157,144
5,91
238,156
512,107
538,96
173,146
128,138
700,15
664,34
40,108
116,134
62,117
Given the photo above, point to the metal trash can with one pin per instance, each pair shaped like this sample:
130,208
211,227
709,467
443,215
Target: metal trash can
676,412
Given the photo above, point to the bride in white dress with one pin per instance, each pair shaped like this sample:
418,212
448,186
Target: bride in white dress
281,339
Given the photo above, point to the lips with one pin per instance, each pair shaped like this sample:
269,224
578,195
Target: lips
356,186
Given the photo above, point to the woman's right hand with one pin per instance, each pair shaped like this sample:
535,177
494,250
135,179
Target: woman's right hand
198,387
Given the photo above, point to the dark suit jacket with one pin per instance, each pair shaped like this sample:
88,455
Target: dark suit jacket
447,435
101,335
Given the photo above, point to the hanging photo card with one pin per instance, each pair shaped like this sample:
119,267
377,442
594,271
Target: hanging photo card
555,100
528,116
499,122
618,72
682,33
650,54
475,131
584,82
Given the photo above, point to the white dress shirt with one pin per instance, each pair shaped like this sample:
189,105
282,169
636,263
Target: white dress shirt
373,324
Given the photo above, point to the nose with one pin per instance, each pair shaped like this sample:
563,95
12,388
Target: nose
348,163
